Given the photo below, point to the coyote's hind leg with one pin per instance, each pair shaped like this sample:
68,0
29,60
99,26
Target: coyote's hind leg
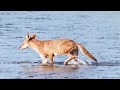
70,58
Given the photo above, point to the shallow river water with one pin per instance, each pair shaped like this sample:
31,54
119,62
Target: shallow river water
98,31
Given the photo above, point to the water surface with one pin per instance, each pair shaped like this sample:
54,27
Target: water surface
98,31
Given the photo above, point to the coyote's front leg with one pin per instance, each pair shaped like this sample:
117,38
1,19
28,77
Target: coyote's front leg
44,59
51,59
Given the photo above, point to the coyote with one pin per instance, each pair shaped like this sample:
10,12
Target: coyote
50,48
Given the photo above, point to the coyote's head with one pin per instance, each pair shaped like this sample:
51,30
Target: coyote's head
25,43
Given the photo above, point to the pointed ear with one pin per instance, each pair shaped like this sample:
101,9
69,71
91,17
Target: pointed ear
33,36
27,36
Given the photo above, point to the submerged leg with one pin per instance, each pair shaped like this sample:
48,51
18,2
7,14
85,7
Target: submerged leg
44,60
76,60
72,55
80,61
51,59
66,61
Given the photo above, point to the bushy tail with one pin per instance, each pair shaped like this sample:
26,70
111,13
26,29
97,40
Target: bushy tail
85,52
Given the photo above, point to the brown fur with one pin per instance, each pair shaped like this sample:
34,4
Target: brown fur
85,52
50,48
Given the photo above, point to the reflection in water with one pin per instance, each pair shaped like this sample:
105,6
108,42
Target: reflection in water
50,68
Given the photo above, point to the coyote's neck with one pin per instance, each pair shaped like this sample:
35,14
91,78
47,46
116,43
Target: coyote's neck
34,45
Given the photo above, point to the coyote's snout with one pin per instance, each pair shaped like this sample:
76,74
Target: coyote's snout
50,48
